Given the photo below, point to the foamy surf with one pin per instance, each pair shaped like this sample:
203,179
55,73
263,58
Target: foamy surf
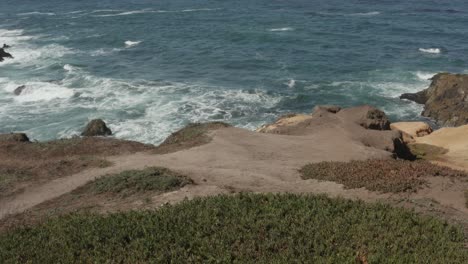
36,91
373,13
430,50
281,29
424,76
129,43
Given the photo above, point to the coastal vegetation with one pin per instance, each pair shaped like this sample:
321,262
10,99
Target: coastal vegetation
243,228
152,179
378,175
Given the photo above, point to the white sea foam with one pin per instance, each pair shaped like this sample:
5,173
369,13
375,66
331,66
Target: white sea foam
199,9
373,13
430,50
104,52
105,10
129,43
25,54
292,83
68,68
282,29
37,14
127,13
76,12
424,76
12,37
149,11
39,91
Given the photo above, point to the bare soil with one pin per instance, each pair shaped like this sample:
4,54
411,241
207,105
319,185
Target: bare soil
236,160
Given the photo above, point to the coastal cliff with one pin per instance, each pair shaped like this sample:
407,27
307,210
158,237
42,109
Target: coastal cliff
446,99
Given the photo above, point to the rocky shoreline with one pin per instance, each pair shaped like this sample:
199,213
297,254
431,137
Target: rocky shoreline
446,101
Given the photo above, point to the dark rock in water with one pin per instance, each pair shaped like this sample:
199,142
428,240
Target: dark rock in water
96,127
419,97
19,90
14,137
446,99
5,46
4,54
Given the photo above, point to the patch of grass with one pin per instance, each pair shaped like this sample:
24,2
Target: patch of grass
28,164
192,135
425,151
245,228
134,181
378,175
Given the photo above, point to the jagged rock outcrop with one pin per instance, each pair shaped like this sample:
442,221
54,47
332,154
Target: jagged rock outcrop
96,127
363,125
446,100
14,137
4,54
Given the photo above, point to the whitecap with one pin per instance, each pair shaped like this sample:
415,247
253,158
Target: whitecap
103,52
373,13
282,29
128,13
200,9
430,50
68,68
291,84
37,13
76,12
129,43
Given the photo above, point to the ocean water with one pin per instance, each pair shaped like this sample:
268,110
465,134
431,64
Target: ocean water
150,67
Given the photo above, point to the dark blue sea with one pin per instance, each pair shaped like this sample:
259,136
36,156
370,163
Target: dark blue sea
149,67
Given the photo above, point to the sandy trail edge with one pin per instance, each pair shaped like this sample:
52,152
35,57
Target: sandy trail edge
242,160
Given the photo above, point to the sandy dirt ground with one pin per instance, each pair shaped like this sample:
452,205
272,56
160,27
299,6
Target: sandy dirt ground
239,160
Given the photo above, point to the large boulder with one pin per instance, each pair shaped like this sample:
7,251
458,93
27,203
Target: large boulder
446,99
96,127
14,137
4,54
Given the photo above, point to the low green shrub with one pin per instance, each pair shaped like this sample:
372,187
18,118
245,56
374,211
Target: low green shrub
246,228
378,175
133,181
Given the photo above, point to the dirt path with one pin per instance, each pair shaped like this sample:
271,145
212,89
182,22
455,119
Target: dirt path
240,160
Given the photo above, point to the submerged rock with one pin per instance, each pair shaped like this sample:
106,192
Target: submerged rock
446,99
14,137
19,89
96,127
